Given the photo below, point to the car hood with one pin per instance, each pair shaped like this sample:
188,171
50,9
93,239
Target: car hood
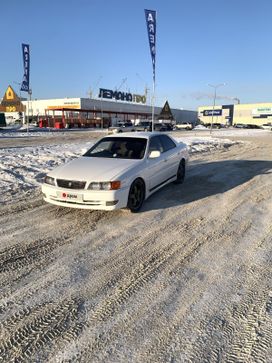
93,169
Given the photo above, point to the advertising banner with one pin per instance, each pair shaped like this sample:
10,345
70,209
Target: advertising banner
262,111
212,113
150,16
26,62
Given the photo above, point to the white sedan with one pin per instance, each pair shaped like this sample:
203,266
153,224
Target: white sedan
119,171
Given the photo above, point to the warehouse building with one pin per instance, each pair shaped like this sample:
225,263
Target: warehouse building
253,114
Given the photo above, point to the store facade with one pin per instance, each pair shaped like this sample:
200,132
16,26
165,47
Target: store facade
251,114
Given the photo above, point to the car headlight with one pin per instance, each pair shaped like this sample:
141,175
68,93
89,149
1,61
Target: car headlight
49,180
113,185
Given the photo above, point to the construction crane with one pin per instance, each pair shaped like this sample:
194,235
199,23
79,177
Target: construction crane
123,81
146,89
91,90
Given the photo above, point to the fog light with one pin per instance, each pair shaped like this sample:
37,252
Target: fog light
111,203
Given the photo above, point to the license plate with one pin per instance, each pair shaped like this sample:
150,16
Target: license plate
70,196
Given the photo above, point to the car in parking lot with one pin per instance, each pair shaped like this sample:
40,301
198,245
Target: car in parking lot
144,126
246,126
121,127
119,171
158,126
184,126
267,126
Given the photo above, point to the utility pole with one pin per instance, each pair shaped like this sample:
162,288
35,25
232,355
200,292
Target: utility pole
214,86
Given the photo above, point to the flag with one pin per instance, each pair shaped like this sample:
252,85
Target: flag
150,16
26,62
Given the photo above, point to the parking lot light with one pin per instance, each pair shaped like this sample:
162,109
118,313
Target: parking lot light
214,86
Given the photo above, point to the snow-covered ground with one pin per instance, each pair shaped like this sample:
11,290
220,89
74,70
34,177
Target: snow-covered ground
188,279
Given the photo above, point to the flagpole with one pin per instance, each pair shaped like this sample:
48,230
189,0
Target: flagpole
153,105
27,125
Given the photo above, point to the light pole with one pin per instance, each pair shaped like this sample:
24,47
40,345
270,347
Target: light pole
215,86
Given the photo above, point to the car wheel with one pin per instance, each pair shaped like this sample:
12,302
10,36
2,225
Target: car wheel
180,173
136,195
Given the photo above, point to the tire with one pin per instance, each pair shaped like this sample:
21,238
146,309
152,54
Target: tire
180,172
136,195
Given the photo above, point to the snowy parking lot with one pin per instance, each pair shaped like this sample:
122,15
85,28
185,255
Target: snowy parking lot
188,279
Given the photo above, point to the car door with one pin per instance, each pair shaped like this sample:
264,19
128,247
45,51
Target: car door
155,167
170,156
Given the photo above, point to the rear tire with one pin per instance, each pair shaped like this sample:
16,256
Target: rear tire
180,172
136,195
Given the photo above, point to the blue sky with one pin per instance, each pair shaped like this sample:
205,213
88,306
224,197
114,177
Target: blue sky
78,45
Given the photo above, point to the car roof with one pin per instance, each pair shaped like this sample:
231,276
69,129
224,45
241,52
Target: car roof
142,135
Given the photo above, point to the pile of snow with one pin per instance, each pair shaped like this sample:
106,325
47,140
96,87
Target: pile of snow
205,144
232,132
32,131
22,169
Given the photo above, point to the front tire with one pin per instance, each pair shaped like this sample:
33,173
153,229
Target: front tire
180,172
136,195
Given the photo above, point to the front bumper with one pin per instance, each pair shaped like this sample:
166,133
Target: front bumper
86,199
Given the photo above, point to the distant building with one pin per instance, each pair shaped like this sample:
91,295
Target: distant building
252,114
11,105
101,108
110,105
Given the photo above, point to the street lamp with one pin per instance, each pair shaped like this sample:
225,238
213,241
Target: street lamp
215,86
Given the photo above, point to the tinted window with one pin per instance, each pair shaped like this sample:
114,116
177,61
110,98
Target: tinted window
167,143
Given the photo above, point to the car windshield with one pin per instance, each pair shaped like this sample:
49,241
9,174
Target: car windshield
119,148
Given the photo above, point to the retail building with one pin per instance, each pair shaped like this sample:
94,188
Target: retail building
102,111
251,114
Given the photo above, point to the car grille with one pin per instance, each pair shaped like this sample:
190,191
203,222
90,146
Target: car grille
71,184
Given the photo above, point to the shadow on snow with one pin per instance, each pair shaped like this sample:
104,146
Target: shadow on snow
208,179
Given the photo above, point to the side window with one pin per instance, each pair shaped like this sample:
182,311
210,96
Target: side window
155,144
167,143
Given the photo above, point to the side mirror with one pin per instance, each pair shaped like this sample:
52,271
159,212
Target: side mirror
154,154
